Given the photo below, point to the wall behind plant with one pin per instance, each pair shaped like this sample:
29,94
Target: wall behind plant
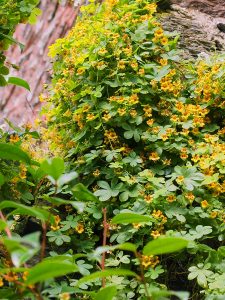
17,103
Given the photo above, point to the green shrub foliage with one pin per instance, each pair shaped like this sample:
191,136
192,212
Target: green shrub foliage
145,132
135,209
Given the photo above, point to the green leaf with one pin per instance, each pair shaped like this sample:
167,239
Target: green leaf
2,179
221,251
49,269
28,210
164,245
4,70
3,82
127,247
127,218
58,201
65,178
19,82
107,293
82,193
106,273
3,225
22,249
54,168
12,40
13,152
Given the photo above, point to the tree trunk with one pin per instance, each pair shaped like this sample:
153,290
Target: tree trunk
16,103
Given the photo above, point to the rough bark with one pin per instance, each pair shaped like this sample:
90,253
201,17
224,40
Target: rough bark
198,30
17,103
214,8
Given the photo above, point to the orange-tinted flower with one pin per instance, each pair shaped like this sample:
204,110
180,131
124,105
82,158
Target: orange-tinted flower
79,228
154,156
204,204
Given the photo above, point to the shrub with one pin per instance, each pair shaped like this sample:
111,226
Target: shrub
145,132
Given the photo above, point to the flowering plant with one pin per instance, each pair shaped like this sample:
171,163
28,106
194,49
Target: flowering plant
144,130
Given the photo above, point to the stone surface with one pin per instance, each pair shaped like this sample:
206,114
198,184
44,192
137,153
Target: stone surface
198,30
214,8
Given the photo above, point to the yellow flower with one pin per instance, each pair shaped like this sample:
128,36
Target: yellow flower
121,64
11,277
154,156
141,72
155,129
41,98
164,137
167,162
111,135
96,173
149,261
213,214
171,198
136,225
148,198
133,99
23,171
1,282
106,117
180,179
80,71
155,234
190,196
24,276
133,113
152,7
204,204
164,41
195,158
158,33
134,65
148,110
56,225
121,111
163,61
128,51
183,156
79,228
64,296
102,51
90,117
14,138
153,83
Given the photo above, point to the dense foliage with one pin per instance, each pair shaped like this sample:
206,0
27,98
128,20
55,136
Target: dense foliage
144,132
12,13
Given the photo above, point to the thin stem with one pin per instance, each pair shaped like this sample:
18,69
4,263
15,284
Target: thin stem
43,243
143,277
38,187
105,231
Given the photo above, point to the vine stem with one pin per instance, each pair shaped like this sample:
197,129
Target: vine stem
44,227
43,243
143,277
105,231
